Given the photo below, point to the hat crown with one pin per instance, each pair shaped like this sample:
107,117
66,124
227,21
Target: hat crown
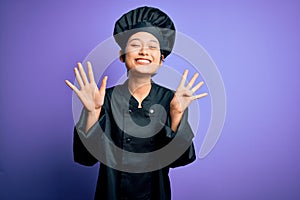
147,19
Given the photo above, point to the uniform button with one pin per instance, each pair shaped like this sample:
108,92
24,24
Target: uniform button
151,111
129,111
128,140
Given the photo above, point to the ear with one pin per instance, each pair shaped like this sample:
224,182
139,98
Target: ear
162,59
121,56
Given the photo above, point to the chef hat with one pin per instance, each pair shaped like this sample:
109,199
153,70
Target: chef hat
146,19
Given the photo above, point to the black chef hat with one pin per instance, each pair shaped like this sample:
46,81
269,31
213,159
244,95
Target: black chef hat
146,19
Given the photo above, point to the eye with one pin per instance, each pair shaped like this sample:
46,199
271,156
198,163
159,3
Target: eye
152,47
135,45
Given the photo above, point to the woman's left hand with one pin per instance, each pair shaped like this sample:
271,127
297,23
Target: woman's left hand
184,95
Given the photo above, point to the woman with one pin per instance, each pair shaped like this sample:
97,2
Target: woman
146,37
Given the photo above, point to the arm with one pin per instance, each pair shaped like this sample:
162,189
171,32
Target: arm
182,140
182,99
179,118
91,97
80,154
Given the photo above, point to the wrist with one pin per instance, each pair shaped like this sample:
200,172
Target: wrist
94,112
92,118
176,113
175,120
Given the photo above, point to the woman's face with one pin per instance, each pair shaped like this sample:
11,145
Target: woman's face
143,54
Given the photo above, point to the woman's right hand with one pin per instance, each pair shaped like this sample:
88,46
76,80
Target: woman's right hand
91,97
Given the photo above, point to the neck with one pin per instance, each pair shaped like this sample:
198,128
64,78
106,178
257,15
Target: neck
139,87
138,83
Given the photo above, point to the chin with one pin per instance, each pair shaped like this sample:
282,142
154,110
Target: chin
143,70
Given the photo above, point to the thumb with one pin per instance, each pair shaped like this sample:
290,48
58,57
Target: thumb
103,84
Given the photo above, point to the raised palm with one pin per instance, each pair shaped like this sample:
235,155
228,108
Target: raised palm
184,94
91,97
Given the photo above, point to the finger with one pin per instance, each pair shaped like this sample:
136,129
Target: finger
78,78
90,72
194,89
73,87
183,79
103,85
200,96
82,73
191,83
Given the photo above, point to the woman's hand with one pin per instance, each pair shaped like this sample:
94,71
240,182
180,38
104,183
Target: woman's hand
183,97
91,97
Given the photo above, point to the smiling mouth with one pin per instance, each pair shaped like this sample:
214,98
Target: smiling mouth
143,61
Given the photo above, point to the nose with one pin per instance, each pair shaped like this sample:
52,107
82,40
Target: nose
143,50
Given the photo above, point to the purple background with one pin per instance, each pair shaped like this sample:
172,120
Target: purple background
255,45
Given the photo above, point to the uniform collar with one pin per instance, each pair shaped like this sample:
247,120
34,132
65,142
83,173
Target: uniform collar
147,102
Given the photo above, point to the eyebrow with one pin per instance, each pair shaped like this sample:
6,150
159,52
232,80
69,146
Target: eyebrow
140,40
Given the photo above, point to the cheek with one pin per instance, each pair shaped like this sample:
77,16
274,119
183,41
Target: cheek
157,57
131,54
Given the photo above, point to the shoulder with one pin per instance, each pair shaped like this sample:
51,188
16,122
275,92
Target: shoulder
163,92
110,90
162,88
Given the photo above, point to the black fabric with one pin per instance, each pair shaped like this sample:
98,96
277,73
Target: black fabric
116,185
146,19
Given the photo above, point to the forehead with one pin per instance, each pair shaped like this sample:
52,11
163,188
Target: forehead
144,37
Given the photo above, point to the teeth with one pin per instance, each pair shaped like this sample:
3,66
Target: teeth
144,61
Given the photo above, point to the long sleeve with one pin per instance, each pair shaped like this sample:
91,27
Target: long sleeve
80,153
184,140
